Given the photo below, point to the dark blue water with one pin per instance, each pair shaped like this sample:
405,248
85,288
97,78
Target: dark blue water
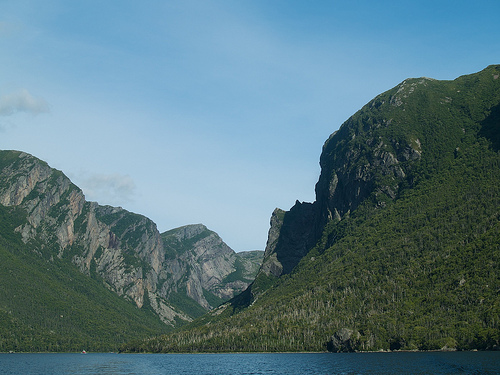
239,364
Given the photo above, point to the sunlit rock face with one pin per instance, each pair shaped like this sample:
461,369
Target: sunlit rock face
203,265
122,249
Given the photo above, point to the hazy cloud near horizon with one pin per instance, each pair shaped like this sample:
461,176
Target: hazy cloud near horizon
22,101
113,189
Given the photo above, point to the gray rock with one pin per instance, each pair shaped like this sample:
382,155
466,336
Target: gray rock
343,341
123,249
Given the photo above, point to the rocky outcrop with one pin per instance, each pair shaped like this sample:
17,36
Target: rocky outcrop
48,197
344,340
271,265
122,249
358,162
110,242
204,266
291,236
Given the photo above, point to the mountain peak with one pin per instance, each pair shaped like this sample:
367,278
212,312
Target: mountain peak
187,231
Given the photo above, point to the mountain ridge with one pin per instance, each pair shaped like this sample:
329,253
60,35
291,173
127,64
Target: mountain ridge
123,251
400,249
381,166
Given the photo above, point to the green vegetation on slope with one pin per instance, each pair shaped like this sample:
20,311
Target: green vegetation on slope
422,273
49,305
176,246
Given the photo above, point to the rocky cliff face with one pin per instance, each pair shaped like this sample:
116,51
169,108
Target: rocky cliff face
200,263
123,249
360,161
291,236
379,152
49,198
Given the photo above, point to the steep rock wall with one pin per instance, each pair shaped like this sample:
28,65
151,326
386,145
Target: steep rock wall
202,264
122,249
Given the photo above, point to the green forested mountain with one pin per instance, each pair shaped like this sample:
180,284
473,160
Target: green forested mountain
77,275
401,248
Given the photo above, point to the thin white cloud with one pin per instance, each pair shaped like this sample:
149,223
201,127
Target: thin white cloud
112,189
22,101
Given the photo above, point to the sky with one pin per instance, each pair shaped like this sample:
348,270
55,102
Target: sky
214,111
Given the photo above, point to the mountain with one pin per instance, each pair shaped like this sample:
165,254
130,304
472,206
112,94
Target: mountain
203,272
51,235
47,304
401,248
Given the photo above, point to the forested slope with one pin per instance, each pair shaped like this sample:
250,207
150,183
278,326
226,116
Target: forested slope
408,251
49,305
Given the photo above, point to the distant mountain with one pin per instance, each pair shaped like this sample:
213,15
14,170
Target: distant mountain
400,250
50,235
203,272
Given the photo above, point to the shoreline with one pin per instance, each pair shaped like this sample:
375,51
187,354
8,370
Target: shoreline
224,352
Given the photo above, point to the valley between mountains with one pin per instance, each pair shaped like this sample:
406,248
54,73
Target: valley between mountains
399,251
48,228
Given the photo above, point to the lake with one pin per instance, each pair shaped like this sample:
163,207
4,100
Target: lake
267,364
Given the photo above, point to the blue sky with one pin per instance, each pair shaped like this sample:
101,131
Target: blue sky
214,112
